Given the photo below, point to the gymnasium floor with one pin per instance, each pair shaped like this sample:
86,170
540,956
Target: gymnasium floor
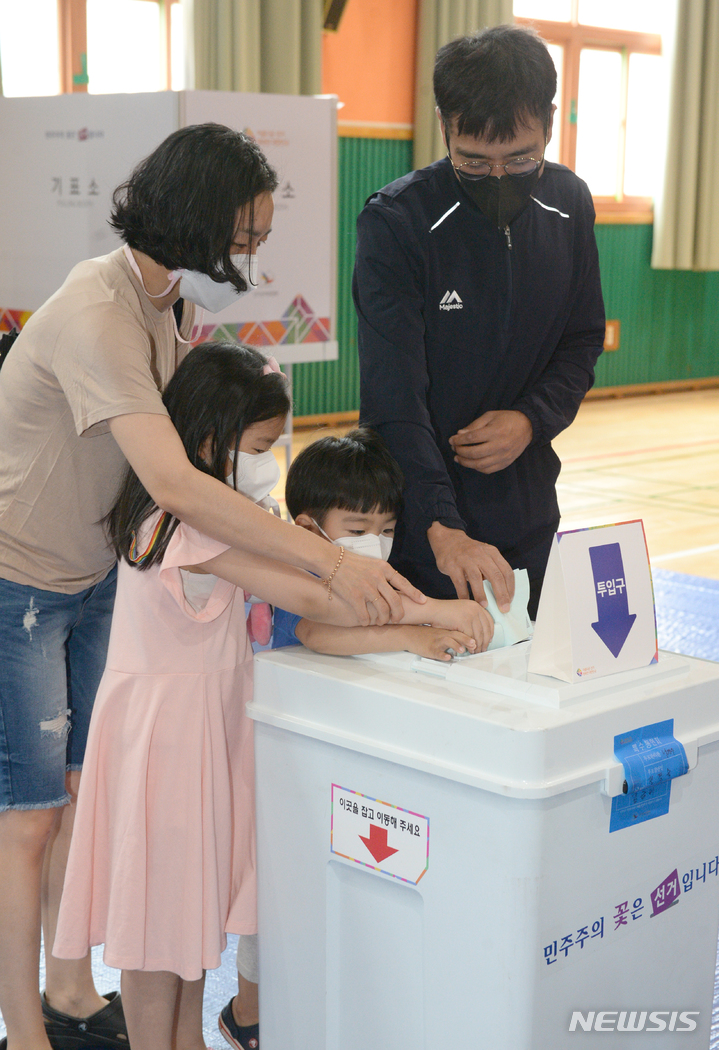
654,458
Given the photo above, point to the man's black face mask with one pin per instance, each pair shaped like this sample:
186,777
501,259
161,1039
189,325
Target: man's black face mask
501,200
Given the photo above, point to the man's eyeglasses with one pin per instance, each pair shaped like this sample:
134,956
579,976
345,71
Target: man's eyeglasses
474,170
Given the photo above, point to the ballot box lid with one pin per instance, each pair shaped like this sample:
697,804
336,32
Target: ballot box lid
485,720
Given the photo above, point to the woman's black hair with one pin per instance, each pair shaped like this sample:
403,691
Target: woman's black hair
491,82
180,205
217,392
355,472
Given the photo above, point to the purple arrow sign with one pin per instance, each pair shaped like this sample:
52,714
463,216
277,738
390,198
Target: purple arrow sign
615,621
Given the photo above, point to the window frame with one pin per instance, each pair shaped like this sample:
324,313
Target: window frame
572,37
72,31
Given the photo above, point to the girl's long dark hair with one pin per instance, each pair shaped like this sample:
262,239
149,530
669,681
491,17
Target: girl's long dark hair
217,392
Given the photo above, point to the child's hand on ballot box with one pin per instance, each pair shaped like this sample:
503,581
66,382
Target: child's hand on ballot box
435,643
460,615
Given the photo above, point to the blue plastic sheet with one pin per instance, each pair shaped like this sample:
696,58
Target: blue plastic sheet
687,613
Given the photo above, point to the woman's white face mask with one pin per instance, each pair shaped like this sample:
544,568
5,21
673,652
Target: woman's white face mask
213,296
369,545
199,288
256,475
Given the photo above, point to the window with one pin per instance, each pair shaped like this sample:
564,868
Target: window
36,70
134,45
91,45
611,96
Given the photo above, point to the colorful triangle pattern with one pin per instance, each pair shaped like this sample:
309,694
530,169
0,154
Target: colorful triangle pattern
299,324
10,319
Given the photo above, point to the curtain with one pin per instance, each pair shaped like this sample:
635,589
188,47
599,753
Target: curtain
439,22
686,212
254,45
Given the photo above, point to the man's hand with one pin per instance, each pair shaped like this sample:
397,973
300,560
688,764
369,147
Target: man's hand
493,441
468,561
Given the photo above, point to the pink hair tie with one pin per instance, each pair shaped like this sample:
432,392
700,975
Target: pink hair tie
271,366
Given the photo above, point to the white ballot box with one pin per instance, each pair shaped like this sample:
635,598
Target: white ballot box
472,856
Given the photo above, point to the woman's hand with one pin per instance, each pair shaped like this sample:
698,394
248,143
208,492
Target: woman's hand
372,588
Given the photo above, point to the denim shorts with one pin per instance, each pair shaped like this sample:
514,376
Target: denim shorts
52,654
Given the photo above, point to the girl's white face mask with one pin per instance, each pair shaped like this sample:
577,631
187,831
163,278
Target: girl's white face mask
256,475
369,545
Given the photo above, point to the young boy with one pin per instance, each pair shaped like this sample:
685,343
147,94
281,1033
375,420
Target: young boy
349,490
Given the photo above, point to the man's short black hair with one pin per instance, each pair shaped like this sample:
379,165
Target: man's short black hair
355,472
180,204
493,81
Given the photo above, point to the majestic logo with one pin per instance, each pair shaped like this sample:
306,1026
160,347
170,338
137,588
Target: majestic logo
451,301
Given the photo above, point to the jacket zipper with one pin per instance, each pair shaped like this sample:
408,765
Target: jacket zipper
510,288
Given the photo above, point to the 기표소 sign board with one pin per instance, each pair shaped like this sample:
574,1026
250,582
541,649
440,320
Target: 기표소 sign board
64,155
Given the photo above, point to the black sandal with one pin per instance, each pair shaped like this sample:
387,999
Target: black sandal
104,1029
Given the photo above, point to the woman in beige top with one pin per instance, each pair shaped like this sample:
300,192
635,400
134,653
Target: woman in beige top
80,395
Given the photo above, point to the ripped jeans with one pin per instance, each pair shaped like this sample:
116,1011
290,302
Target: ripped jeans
52,654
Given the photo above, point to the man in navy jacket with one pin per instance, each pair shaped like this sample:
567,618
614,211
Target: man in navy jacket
480,321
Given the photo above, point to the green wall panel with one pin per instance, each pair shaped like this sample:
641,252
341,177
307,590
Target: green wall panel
669,318
365,165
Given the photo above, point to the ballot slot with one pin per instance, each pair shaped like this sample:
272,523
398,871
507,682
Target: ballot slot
506,672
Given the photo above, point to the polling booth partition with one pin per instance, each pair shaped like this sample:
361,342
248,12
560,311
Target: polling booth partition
478,856
64,155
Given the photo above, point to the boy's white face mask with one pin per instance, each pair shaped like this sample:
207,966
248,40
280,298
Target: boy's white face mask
369,545
256,475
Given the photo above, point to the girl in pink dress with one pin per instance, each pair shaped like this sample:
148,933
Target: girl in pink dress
162,861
